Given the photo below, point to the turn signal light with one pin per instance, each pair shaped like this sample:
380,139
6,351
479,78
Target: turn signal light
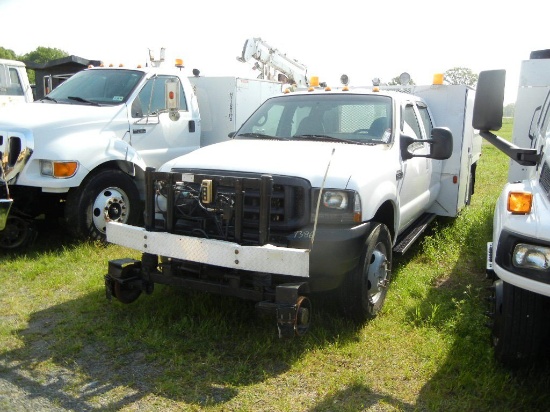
520,202
64,169
58,169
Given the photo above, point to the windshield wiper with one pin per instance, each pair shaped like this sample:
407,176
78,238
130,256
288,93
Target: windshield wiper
325,138
322,137
261,136
48,98
82,100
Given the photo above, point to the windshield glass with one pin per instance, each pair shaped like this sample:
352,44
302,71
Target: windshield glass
350,118
98,86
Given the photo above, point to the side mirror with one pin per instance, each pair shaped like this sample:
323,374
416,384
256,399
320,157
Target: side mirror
488,110
488,103
441,145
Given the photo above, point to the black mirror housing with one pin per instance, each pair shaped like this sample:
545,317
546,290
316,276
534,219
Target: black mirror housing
441,145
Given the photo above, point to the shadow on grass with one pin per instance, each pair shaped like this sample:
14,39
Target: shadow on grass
169,349
455,307
174,347
45,236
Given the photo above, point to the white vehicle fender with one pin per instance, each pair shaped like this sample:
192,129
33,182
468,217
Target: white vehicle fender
90,153
372,198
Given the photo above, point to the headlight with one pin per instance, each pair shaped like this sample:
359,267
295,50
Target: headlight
531,256
335,199
337,206
58,169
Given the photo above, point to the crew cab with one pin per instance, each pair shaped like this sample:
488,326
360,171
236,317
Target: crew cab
314,193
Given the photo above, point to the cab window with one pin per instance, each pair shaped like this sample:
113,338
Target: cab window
426,120
152,98
15,87
410,120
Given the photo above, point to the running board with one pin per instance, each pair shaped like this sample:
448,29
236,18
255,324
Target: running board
413,232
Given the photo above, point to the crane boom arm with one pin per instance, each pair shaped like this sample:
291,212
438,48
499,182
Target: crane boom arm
271,62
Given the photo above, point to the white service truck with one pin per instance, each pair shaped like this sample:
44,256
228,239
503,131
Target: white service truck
518,256
80,153
314,193
14,83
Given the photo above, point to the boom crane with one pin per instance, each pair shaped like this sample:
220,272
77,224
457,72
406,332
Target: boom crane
272,63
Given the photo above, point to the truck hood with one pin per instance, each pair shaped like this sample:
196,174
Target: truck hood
50,116
306,159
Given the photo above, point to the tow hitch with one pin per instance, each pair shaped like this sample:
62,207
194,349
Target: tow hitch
293,311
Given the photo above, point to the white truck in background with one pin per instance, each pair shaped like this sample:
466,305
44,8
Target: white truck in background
518,256
14,83
81,152
314,193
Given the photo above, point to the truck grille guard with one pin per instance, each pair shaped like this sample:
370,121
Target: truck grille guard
246,209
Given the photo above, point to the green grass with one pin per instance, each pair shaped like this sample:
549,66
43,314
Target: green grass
63,342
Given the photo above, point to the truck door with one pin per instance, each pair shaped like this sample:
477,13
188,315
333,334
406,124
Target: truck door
156,135
414,187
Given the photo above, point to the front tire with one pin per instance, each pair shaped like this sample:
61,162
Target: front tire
110,195
520,324
364,291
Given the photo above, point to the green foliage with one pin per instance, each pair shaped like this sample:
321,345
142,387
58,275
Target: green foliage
509,110
7,54
461,75
40,55
44,55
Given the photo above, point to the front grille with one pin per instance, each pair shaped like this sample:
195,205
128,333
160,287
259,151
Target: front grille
544,179
283,208
13,155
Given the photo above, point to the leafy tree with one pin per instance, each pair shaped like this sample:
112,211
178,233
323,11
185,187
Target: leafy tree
509,110
7,54
42,55
461,75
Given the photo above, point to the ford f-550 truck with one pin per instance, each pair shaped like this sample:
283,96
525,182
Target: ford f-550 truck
518,256
313,193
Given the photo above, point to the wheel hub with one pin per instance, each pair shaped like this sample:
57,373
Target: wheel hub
109,206
377,276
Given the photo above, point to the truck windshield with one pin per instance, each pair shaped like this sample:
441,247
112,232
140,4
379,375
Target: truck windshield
352,118
97,86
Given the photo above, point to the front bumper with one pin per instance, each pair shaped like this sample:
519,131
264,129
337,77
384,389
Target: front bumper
267,258
499,261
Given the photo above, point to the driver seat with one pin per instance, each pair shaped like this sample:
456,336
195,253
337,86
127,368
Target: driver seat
310,125
378,126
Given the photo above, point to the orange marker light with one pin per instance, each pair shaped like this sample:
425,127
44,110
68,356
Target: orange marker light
64,169
438,78
520,202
